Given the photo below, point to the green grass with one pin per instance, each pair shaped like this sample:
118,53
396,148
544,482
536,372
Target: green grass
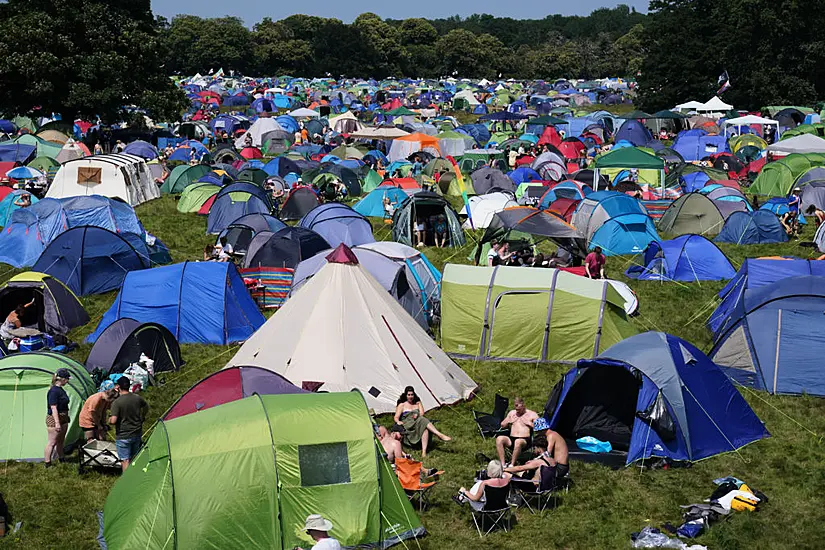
57,507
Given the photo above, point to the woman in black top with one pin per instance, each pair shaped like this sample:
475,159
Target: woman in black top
57,415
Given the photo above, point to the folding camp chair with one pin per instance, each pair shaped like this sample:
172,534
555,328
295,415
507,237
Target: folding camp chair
489,424
409,474
536,495
494,512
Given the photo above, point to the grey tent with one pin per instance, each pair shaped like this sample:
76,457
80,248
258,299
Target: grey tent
240,233
490,180
425,207
122,343
692,213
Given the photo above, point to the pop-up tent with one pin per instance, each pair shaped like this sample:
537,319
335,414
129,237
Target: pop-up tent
257,468
56,311
122,343
527,314
25,379
199,302
616,222
686,258
653,395
240,232
369,342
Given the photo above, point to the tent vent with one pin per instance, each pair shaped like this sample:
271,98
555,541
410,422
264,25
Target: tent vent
375,392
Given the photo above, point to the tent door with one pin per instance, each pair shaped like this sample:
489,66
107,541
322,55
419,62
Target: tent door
518,322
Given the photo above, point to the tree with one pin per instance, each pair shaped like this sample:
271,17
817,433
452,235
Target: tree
198,44
277,51
84,57
629,52
381,44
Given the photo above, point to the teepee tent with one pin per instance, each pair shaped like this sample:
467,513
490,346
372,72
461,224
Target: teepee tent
368,342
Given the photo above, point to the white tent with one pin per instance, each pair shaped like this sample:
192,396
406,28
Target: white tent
121,176
383,132
714,105
484,207
690,106
258,129
468,96
747,120
803,143
346,123
303,112
343,330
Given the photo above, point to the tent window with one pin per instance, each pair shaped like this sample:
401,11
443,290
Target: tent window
325,464
88,175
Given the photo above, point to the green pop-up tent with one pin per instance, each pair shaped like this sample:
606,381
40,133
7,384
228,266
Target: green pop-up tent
246,474
25,379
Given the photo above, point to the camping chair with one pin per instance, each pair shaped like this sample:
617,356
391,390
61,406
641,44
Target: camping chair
409,474
489,424
495,510
536,495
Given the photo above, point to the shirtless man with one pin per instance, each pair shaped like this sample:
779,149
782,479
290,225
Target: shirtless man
555,455
520,421
391,441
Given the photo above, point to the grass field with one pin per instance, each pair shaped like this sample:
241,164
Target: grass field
57,506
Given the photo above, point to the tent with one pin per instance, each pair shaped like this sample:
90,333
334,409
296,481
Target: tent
141,149
616,222
183,176
403,147
651,169
804,143
228,385
201,303
258,467
234,201
93,260
25,379
484,207
195,196
370,342
759,227
123,342
528,314
692,213
284,248
117,176
298,203
338,223
778,178
490,180
686,258
240,232
426,206
8,206
695,145
772,339
372,205
635,132
256,135
653,395
57,310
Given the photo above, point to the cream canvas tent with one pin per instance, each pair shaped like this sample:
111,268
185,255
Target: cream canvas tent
342,331
120,176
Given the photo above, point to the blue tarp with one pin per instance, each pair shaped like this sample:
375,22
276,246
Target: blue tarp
758,227
770,340
685,258
199,302
338,223
601,397
236,200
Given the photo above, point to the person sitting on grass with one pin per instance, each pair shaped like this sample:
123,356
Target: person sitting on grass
520,420
496,477
550,450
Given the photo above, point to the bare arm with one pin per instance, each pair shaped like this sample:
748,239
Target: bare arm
113,420
507,421
420,408
398,410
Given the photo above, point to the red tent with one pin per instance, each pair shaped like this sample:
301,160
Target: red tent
727,183
251,153
550,135
401,183
207,206
572,148
564,208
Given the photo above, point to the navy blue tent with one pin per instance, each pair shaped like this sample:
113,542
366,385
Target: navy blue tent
142,149
758,227
685,258
772,338
285,248
199,302
123,342
236,200
17,152
281,166
653,395
241,231
93,260
635,132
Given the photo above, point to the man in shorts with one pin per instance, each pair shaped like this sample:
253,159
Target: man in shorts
520,421
128,412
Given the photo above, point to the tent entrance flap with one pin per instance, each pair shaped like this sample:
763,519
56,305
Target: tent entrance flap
602,404
526,310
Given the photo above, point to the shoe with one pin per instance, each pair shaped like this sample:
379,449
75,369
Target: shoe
48,464
458,499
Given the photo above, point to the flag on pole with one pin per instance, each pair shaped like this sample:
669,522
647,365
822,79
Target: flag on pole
723,82
459,178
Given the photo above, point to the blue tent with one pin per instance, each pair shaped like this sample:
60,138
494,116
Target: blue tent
695,146
288,123
654,395
142,149
281,166
263,104
779,206
522,174
695,181
772,338
616,222
338,223
93,260
635,132
17,152
236,200
7,206
567,189
373,204
685,258
758,227
199,302
756,273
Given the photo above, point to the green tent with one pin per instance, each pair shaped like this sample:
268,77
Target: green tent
44,164
523,314
799,130
651,168
401,111
691,213
546,120
371,180
777,178
25,379
182,176
255,176
195,195
44,148
246,474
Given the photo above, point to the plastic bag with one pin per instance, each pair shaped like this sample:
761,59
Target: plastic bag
650,537
137,375
590,443
658,417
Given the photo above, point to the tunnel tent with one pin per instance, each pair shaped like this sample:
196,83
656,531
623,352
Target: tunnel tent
57,310
123,342
116,176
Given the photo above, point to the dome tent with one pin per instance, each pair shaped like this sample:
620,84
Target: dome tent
236,200
240,232
57,310
195,196
299,202
759,227
183,176
426,205
284,248
692,213
205,303
653,395
686,258
25,379
122,343
616,222
258,467
338,223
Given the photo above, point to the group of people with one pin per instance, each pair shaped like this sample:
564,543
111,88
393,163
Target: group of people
525,256
127,411
437,224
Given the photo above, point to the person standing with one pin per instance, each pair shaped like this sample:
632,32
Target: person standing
318,528
594,264
128,412
92,418
57,416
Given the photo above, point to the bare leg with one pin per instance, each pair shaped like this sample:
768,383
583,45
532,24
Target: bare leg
438,434
61,439
124,464
50,445
501,442
425,438
517,447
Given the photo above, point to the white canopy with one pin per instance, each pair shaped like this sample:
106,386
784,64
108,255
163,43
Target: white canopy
747,120
371,132
804,143
303,112
715,105
690,106
344,330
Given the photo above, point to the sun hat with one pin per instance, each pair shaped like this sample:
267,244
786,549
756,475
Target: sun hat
316,522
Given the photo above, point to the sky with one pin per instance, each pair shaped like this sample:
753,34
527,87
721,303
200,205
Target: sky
252,11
